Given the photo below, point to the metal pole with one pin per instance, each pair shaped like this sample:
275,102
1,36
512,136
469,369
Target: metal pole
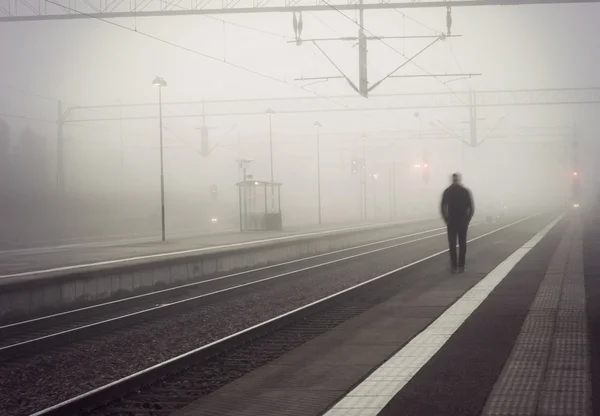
266,216
394,188
121,144
391,191
271,151
60,122
245,205
374,199
162,176
240,206
319,172
365,177
360,203
271,147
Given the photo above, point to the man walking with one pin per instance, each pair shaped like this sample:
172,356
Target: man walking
457,211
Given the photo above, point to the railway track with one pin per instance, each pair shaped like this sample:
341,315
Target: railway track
29,336
172,384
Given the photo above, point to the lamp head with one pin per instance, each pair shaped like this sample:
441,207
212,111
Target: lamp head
159,82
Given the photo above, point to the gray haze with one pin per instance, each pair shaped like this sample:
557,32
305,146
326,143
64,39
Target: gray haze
112,167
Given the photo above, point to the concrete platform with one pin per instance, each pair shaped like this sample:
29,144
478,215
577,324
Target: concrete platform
517,334
18,262
58,279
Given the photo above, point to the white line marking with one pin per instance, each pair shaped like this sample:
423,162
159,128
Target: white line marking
371,396
188,285
161,306
197,250
179,357
109,242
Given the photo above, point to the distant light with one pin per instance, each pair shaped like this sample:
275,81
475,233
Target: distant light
256,183
575,174
159,82
425,165
214,220
417,166
575,205
375,176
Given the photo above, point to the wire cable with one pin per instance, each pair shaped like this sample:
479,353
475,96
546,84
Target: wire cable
21,117
337,33
437,32
454,57
409,60
188,144
395,50
210,57
30,93
264,32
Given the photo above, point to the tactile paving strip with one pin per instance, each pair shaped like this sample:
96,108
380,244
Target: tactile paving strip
548,371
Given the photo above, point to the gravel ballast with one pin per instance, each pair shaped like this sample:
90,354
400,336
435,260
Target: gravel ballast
35,382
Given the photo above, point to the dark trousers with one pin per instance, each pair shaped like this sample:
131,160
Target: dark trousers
458,231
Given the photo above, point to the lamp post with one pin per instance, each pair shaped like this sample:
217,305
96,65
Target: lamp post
375,177
364,175
318,127
160,83
270,113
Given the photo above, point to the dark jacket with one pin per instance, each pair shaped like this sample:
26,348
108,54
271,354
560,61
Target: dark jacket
457,205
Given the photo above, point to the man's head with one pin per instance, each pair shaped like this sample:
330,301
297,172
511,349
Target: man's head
456,179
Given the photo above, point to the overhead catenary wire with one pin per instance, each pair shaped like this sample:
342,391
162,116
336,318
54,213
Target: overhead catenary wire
188,144
488,135
438,32
205,55
336,67
454,56
334,31
366,115
22,117
393,49
409,60
26,92
262,31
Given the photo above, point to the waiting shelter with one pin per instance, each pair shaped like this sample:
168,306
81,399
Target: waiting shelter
259,205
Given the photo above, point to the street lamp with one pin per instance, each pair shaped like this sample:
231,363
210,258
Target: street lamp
270,113
160,83
318,126
364,175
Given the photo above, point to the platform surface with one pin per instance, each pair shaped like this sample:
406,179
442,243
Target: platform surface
517,334
16,264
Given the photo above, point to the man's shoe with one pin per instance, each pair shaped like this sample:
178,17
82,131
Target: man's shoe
461,269
453,269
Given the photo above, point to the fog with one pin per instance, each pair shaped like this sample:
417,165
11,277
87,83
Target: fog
242,65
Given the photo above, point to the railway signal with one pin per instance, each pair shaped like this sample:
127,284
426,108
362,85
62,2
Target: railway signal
424,168
357,164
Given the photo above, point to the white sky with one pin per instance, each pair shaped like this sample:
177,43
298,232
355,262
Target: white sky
89,62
